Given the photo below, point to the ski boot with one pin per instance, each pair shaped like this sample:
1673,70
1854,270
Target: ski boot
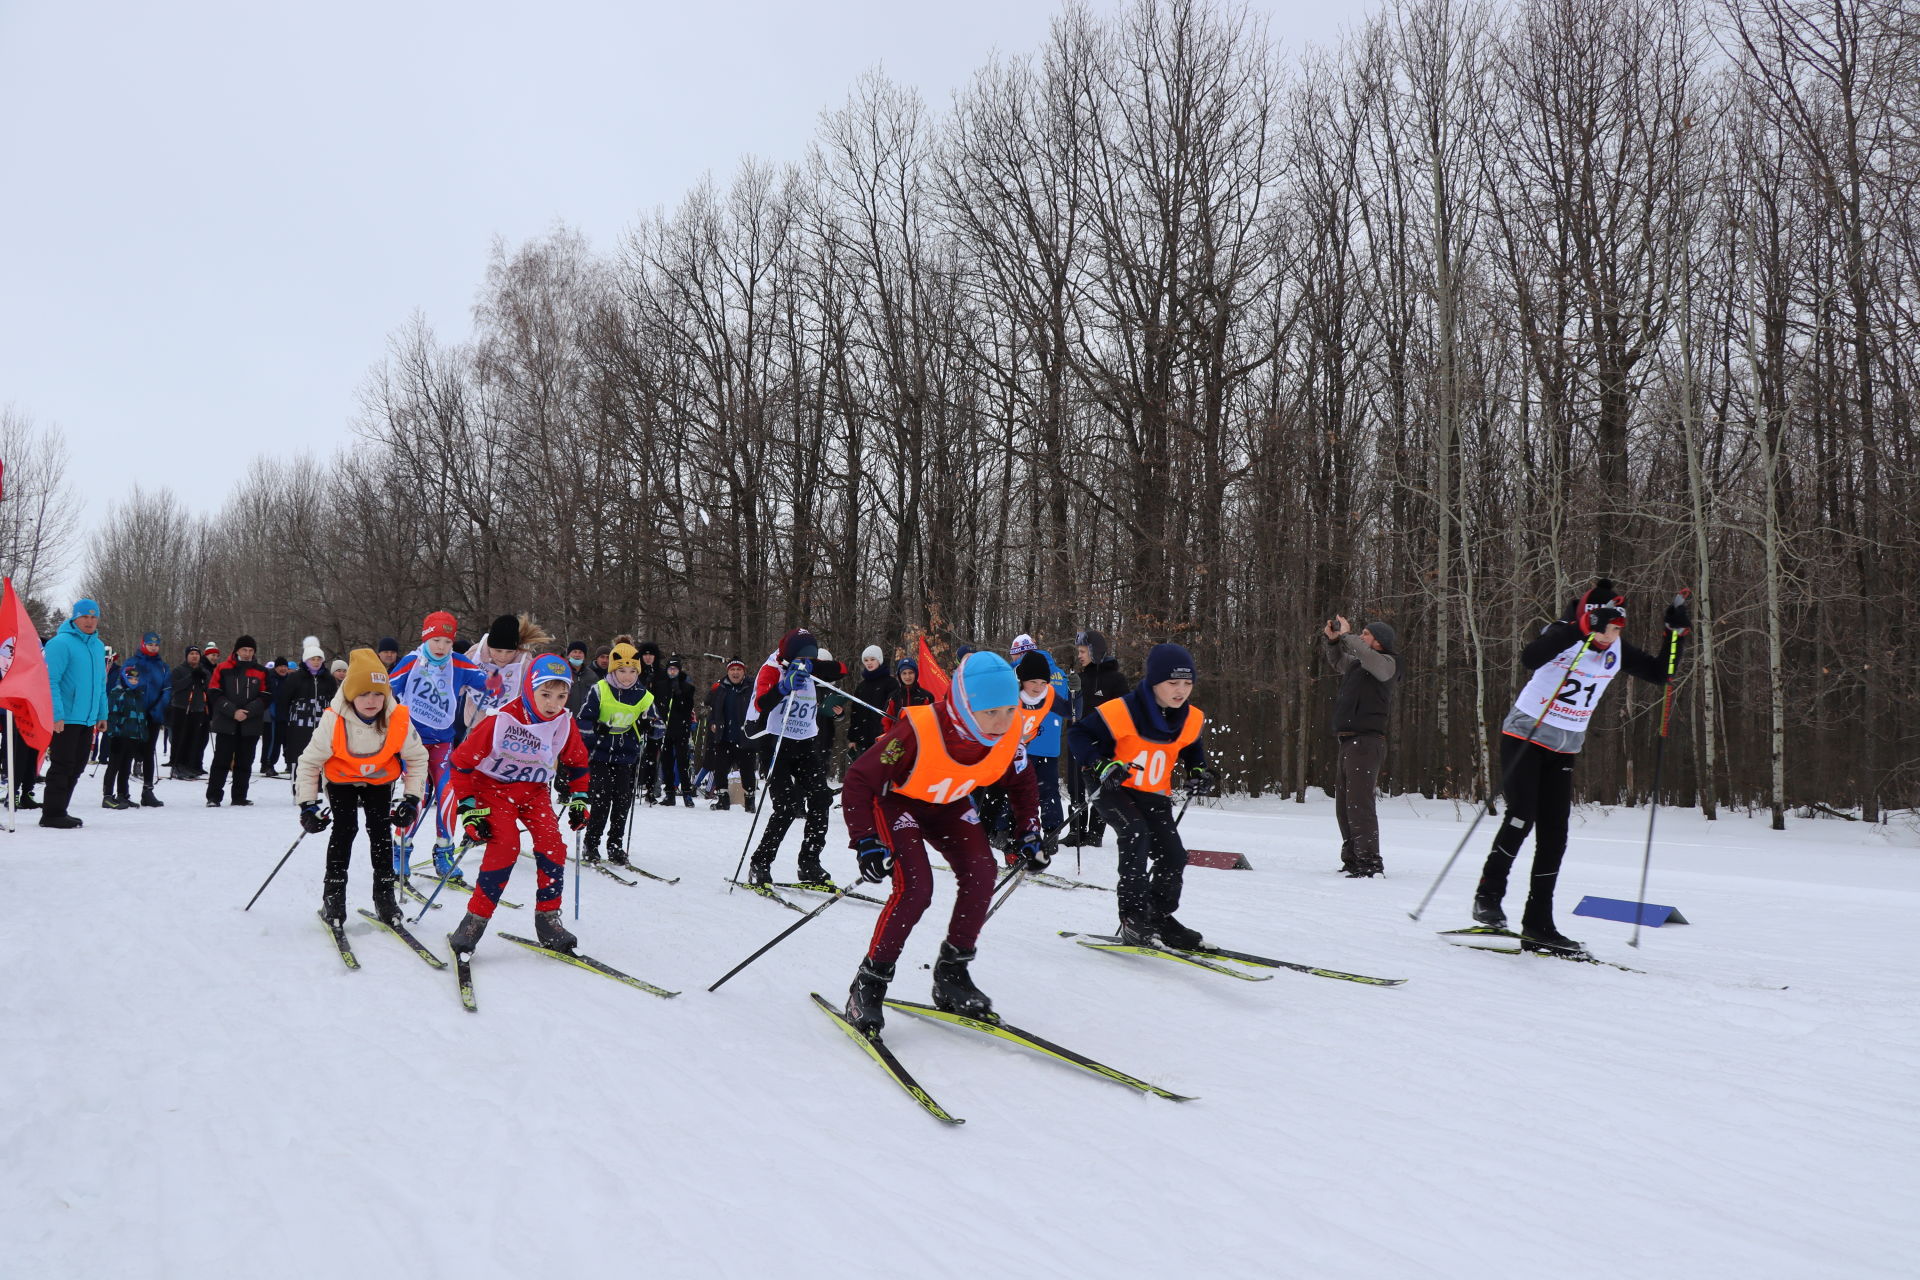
551,934
759,872
26,800
443,865
590,855
114,802
1178,936
384,905
617,856
148,800
953,989
466,935
333,902
402,857
866,998
1139,931
719,804
812,873
1544,939
1489,912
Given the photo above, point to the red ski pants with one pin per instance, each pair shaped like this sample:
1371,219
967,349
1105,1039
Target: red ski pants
514,805
909,826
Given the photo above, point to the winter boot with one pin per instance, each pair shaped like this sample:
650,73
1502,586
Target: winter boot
551,933
384,905
866,1007
1139,931
1488,911
148,800
466,935
686,798
746,799
721,803
333,902
811,872
1178,936
953,989
213,802
26,800
61,821
1542,937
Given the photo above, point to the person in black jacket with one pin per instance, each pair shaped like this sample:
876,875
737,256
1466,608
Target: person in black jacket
187,711
729,747
673,697
303,697
651,675
876,688
239,707
907,690
1368,669
1101,680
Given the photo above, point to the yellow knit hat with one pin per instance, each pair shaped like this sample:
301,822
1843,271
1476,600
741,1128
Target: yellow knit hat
623,655
365,674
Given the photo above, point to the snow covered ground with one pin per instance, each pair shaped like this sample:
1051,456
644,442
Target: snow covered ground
193,1091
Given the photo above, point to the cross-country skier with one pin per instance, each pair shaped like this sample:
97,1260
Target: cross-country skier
786,701
502,657
617,707
502,779
1128,747
913,788
1573,661
363,744
430,682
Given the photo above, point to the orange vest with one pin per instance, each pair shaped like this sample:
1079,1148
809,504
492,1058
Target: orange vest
1154,758
1030,717
937,777
348,769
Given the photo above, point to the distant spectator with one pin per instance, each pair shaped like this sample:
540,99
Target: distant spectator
188,708
1367,668
156,691
77,677
237,696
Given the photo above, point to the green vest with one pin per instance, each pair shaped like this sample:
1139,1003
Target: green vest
618,716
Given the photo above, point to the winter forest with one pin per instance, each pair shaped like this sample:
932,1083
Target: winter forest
1173,330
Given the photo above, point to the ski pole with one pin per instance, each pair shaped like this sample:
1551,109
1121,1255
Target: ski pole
428,904
1480,810
579,876
1659,757
782,936
304,833
766,785
1013,880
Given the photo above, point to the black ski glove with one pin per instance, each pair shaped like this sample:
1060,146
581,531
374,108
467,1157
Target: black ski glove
1033,853
1201,782
876,860
312,821
405,812
1678,619
475,822
577,813
1111,775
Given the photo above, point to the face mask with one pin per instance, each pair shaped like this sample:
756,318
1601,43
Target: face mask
574,662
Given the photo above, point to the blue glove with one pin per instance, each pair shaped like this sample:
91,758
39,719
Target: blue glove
876,860
1033,853
798,677
312,821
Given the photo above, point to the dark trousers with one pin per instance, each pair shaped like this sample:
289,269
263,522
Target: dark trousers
1361,756
121,753
910,826
799,791
232,752
148,753
610,800
190,742
650,767
728,756
1084,818
676,772
66,761
1153,861
1539,794
349,803
270,746
293,740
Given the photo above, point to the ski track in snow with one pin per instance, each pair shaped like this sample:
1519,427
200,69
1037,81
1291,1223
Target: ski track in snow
192,1090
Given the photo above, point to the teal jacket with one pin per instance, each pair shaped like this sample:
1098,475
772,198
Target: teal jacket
77,672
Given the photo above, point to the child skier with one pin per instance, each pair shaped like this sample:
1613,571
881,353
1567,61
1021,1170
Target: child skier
1128,747
914,787
430,682
617,707
502,657
128,728
502,776
1573,661
785,695
363,744
1044,685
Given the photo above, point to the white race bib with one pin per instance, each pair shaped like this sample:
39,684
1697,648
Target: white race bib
526,752
1573,708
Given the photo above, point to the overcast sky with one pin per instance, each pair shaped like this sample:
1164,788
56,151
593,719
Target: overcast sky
215,213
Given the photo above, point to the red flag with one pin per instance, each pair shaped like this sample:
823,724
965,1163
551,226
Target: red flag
932,678
23,673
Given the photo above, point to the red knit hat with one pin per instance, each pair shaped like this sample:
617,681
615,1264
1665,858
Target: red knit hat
439,623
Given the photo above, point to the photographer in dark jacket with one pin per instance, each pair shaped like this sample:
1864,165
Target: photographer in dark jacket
1368,668
239,706
187,708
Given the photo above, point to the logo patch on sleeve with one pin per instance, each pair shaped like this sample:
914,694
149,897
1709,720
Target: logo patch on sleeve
892,751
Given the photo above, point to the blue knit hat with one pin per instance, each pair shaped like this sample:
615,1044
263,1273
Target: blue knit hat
982,682
1168,662
84,608
906,664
